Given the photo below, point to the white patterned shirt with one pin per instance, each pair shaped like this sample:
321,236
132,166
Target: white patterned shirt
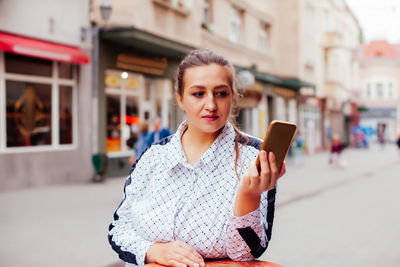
167,199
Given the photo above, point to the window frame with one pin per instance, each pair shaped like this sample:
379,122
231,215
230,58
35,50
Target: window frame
236,22
55,83
123,93
264,38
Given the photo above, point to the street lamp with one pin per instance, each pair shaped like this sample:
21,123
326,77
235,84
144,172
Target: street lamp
105,10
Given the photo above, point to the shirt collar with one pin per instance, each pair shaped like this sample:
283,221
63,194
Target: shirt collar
221,148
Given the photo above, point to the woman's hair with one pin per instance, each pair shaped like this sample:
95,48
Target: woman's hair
206,57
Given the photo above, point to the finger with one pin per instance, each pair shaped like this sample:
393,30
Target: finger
254,177
176,263
274,170
265,172
190,253
283,170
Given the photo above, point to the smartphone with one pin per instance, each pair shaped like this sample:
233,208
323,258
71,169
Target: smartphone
278,138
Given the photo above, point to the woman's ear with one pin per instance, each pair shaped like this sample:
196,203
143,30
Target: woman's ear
179,99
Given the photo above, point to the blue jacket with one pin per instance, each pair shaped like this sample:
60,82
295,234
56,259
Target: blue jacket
164,132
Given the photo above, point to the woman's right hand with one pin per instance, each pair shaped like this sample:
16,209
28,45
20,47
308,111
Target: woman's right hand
175,253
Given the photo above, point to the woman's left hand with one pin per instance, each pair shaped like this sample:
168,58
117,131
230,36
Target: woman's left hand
256,183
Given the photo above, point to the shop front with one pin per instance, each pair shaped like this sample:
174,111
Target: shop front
136,77
41,131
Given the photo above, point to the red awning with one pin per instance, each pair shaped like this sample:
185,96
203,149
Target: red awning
37,48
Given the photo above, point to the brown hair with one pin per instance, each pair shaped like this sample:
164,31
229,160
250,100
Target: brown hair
206,57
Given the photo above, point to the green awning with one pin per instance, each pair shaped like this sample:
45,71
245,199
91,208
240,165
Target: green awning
295,83
290,83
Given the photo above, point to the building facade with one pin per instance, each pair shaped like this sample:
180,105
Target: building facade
144,42
294,61
380,83
329,59
45,94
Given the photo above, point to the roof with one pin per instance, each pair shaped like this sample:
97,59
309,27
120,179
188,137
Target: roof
381,49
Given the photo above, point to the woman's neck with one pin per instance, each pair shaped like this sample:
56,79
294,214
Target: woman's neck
195,143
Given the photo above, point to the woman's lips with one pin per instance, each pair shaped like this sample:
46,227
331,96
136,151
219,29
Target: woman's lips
210,117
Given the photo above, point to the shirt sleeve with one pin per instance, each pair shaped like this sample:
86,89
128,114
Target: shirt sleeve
247,236
122,236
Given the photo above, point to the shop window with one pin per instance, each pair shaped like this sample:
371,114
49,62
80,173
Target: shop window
27,65
28,114
39,104
65,70
65,114
123,91
113,123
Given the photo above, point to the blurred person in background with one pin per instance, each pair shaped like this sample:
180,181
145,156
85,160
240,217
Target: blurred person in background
381,135
336,151
159,131
142,141
198,194
398,143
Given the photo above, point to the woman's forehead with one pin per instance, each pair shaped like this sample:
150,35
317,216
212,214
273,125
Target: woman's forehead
206,73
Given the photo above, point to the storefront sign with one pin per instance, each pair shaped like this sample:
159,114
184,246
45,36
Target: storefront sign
154,66
286,93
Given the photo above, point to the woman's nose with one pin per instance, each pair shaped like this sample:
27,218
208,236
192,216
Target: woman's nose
210,105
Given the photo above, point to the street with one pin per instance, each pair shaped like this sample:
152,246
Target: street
345,217
324,217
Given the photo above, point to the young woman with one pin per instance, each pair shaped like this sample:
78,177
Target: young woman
197,194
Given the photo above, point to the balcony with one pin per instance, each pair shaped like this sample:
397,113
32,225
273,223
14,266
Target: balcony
332,39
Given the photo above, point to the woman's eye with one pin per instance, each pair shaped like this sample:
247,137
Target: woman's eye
197,94
223,93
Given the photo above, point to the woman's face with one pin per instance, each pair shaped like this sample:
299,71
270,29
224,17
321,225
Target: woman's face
207,97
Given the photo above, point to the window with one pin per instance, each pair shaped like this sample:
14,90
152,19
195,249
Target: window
264,37
39,104
207,13
123,91
236,25
28,114
390,91
379,90
368,94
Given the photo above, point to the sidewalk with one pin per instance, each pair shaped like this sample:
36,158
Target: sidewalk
316,175
66,225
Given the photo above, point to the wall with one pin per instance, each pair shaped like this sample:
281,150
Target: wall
52,20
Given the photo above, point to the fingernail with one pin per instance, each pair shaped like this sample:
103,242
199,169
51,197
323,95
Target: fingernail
263,155
271,156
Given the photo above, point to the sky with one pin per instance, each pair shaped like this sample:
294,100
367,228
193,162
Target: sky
380,19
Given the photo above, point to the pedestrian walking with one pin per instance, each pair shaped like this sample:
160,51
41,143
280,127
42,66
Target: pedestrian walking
336,151
159,131
197,194
299,149
398,143
142,142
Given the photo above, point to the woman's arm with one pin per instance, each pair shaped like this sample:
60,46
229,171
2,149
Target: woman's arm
253,184
249,225
123,238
